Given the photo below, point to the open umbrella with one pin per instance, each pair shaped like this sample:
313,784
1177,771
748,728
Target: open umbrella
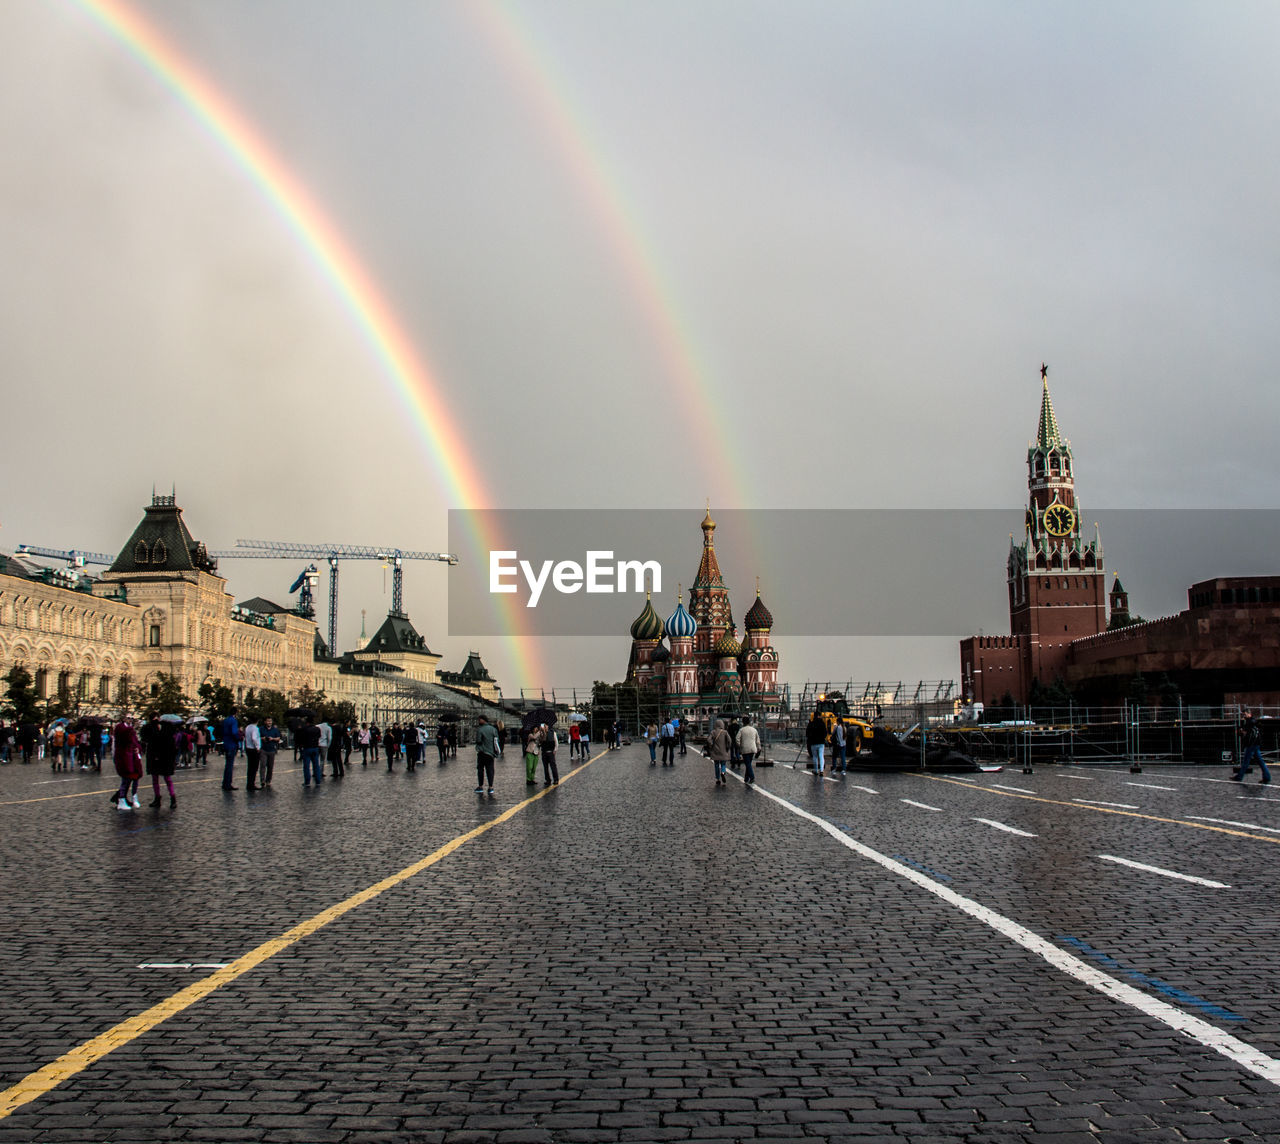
578,717
198,719
537,717
172,719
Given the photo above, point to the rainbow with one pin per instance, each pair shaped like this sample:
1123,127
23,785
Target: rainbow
708,406
414,382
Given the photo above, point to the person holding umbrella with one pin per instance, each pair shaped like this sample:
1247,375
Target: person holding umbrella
127,757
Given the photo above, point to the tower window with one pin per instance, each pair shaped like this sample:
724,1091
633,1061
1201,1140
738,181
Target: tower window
153,636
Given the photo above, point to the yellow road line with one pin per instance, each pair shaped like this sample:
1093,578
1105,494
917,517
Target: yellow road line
103,790
1107,810
80,1058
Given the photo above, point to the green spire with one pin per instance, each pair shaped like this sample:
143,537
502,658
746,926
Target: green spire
1047,435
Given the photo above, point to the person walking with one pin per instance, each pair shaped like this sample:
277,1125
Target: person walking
550,773
337,759
1251,737
162,754
202,745
389,747
682,728
306,740
719,748
252,752
271,740
375,737
575,740
838,761
326,737
442,743
584,742
815,736
127,757
748,748
530,745
486,750
651,738
667,740
230,748
362,738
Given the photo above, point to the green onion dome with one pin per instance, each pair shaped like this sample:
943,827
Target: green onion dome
648,624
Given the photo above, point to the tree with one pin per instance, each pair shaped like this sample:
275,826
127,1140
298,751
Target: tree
23,704
164,697
216,699
267,703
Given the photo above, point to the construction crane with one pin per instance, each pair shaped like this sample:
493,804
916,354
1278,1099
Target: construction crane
73,556
306,581
332,554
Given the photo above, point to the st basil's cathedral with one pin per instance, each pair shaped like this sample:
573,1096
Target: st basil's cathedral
706,665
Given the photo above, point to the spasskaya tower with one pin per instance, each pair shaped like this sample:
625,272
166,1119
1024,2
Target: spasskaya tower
1056,578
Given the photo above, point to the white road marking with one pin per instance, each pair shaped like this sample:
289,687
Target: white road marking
1151,786
1234,1049
1006,828
50,782
1257,798
1098,802
1080,778
921,805
1165,873
853,786
184,965
1019,789
1228,822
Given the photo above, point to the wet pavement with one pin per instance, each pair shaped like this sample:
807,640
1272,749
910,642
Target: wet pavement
1081,954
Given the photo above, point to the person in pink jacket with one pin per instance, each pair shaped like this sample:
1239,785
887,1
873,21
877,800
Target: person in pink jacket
127,756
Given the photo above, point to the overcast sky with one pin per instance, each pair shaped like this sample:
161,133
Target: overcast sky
848,232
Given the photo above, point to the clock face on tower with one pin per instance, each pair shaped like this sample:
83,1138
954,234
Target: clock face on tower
1059,520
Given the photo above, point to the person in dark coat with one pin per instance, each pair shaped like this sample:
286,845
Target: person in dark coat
162,754
389,746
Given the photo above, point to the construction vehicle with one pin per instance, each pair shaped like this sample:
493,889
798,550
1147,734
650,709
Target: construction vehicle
832,707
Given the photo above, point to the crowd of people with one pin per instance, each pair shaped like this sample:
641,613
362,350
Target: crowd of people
162,744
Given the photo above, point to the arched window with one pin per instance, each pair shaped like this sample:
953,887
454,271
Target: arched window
159,553
140,554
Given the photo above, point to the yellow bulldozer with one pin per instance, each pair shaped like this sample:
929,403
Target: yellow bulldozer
833,708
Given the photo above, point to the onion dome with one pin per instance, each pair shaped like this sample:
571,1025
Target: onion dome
648,624
681,625
758,617
660,654
727,645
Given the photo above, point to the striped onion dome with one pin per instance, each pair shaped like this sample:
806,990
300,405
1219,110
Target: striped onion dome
648,624
681,625
727,645
758,617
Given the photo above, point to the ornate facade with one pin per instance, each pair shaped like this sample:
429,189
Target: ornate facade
707,667
161,607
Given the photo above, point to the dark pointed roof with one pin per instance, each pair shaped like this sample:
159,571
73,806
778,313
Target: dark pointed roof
473,671
1117,586
161,543
397,634
264,607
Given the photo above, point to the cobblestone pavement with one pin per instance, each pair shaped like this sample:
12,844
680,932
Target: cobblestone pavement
639,955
